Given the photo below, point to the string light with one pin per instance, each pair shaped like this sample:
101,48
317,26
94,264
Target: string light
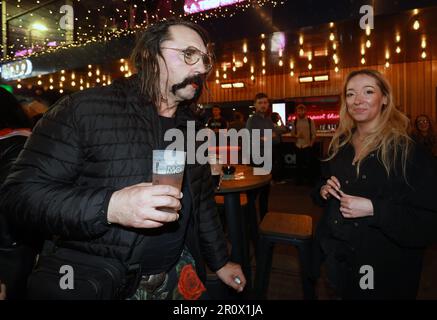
291,73
398,49
423,44
245,59
416,25
363,60
332,37
310,66
368,30
263,47
281,63
398,38
423,54
336,69
301,39
264,71
368,44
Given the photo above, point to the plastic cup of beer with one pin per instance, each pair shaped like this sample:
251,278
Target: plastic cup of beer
168,168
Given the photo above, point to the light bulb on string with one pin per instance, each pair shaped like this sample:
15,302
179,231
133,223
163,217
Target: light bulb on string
416,25
423,43
368,44
336,69
368,30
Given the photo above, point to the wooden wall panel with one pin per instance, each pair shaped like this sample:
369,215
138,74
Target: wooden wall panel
414,86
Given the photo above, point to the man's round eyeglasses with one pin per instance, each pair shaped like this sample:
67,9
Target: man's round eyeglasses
193,55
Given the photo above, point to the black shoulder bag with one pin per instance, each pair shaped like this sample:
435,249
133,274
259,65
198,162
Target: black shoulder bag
66,274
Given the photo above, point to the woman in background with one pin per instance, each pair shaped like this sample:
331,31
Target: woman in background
379,197
424,134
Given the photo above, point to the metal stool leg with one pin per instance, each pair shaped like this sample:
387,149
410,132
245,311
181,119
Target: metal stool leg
263,267
308,285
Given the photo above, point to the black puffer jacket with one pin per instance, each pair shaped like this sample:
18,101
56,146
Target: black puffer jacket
87,146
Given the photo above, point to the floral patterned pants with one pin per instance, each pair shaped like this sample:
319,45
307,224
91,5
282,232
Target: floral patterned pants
180,283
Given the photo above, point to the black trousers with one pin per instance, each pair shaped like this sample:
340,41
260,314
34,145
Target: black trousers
305,168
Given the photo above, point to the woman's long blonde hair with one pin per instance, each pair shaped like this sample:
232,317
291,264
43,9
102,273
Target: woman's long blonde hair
389,138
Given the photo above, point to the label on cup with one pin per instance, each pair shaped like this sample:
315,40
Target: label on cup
168,161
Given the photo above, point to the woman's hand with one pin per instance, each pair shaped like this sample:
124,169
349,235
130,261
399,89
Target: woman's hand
355,207
331,188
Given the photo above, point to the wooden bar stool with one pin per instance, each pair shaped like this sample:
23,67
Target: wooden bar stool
294,229
220,200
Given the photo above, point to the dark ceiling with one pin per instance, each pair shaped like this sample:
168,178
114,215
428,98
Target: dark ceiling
295,18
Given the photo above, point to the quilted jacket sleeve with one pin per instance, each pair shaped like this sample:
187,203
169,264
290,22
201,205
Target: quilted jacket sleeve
41,191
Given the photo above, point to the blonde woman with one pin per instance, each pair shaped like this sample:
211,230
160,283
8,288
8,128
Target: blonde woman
379,197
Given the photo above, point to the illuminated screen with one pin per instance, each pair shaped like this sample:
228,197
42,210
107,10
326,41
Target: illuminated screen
195,6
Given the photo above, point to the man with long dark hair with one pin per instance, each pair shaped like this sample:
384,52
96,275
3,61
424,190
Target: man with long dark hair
84,178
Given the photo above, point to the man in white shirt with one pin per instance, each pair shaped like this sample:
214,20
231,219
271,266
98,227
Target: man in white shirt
305,132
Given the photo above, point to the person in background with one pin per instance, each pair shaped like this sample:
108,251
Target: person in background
378,195
2,291
262,121
305,132
34,109
278,163
17,250
424,134
238,121
217,122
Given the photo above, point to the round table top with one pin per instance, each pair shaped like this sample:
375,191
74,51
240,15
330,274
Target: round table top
243,180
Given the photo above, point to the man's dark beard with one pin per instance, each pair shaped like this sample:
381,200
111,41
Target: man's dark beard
197,80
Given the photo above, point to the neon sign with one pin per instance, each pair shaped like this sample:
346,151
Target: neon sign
322,116
195,6
17,69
